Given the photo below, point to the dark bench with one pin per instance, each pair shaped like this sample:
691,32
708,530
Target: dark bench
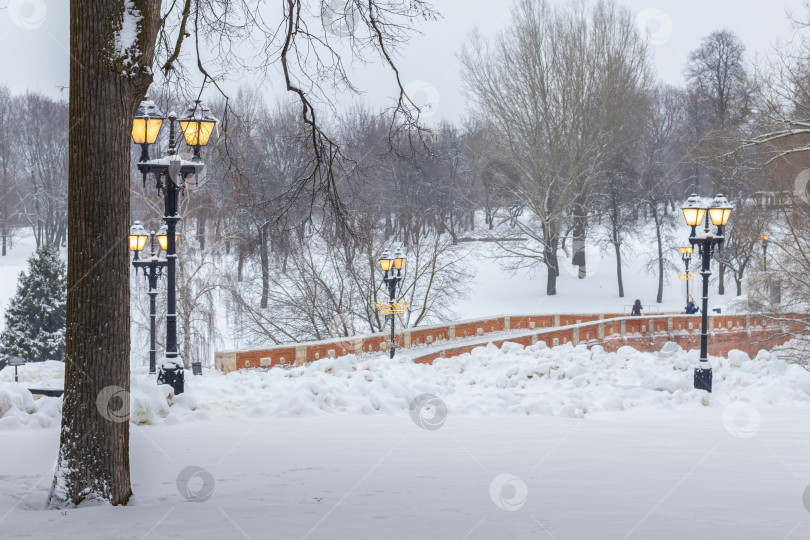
50,392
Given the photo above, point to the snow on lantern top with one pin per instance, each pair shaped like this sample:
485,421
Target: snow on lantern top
137,237
147,123
694,211
720,210
386,262
399,259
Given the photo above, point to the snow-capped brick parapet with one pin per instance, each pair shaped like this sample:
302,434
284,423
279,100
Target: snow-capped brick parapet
427,337
749,333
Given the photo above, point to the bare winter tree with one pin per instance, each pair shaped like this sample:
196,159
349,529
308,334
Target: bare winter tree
723,89
113,63
658,165
782,137
557,89
9,196
42,158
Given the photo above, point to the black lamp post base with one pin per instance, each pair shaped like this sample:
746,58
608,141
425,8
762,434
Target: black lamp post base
174,377
703,379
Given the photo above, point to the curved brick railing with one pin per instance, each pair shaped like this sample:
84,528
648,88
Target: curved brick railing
750,333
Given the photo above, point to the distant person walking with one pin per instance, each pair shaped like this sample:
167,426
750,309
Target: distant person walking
691,308
637,309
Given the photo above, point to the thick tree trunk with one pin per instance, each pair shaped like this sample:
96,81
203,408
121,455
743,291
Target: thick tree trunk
618,247
721,279
187,341
265,261
660,296
550,256
201,230
93,461
578,240
240,265
659,239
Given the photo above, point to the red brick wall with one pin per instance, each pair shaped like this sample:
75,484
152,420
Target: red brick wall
278,356
727,332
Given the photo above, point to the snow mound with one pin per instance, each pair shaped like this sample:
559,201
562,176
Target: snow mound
514,380
18,408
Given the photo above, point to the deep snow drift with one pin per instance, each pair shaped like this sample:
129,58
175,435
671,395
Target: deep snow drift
536,380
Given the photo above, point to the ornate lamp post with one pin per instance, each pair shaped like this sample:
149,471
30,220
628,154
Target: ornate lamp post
170,173
694,211
152,267
390,263
765,238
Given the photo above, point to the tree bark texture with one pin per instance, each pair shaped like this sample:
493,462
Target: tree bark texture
105,89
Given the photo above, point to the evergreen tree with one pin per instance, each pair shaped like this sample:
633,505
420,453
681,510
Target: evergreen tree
35,318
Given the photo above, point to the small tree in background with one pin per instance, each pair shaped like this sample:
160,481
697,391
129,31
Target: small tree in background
35,318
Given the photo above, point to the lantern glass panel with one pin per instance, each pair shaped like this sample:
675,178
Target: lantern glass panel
694,216
153,126
197,133
720,215
139,130
163,240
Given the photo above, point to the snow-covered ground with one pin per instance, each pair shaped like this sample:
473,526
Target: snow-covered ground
514,443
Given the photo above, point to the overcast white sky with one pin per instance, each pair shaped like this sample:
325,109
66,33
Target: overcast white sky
34,42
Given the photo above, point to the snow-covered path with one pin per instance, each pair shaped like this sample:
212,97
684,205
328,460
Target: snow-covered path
634,474
535,442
